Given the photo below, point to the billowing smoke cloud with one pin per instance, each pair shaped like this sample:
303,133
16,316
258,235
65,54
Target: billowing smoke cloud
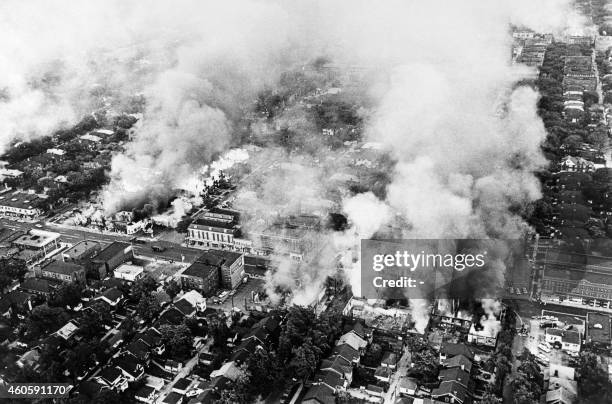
440,89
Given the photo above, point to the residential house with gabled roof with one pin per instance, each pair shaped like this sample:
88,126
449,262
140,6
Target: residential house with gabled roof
389,360
130,368
111,296
331,379
451,392
347,352
185,307
339,365
319,394
139,350
353,340
458,361
449,349
455,374
146,394
153,340
112,377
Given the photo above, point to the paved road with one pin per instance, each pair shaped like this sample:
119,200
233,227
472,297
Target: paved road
172,252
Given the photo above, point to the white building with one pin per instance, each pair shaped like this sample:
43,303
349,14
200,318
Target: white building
19,204
129,272
57,152
570,340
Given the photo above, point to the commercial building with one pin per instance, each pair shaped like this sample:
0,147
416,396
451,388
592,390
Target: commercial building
129,272
483,335
579,71
63,271
231,265
111,257
213,230
570,340
579,278
39,242
201,276
82,251
20,204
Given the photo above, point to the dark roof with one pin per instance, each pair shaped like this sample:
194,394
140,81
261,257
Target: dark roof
150,337
336,363
128,364
455,374
450,388
15,298
372,387
270,323
138,348
359,330
64,268
36,285
346,351
182,383
110,373
458,361
202,222
219,383
145,391
113,249
320,393
247,345
332,379
601,333
259,333
200,269
170,317
111,294
184,307
572,337
451,349
89,388
173,398
226,256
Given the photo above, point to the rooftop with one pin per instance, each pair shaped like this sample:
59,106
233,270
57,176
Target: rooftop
61,267
572,337
81,247
36,238
129,269
113,250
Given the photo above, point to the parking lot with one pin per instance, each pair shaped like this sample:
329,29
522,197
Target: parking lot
241,294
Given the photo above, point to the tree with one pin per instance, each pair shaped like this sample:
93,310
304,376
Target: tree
177,339
304,361
93,320
593,383
172,288
44,320
143,286
11,270
148,307
68,294
425,364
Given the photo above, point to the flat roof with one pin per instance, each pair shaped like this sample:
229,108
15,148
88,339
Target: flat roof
36,238
19,200
81,247
129,269
116,247
60,267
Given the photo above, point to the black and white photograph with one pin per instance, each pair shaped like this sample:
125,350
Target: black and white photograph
306,201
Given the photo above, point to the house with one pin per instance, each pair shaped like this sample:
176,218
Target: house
258,334
173,398
455,374
153,340
68,330
450,391
139,350
383,374
229,370
206,358
172,366
340,366
353,340
196,300
374,390
182,385
64,271
185,307
408,386
570,340
319,394
347,352
560,396
458,361
111,296
113,378
449,350
15,302
389,360
130,368
145,394
331,379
